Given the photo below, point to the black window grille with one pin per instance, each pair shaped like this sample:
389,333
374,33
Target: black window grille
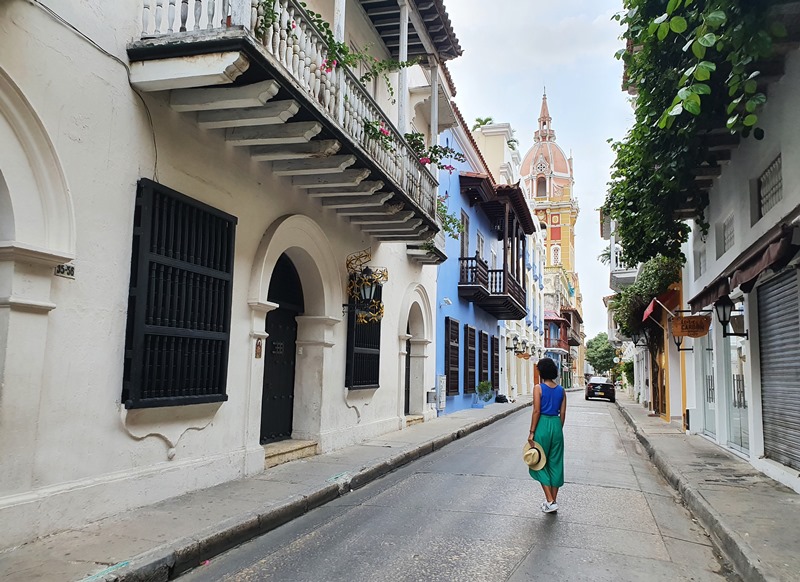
363,366
179,303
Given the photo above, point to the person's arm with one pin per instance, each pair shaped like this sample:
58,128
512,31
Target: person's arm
537,412
563,412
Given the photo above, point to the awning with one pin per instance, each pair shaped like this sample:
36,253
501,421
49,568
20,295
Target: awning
773,254
664,300
710,293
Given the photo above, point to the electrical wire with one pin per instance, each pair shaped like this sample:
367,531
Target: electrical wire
61,20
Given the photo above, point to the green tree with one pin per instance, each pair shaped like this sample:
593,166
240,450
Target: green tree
481,121
600,353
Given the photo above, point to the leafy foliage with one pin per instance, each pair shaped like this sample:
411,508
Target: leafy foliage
337,53
600,353
627,369
484,391
481,121
654,279
693,63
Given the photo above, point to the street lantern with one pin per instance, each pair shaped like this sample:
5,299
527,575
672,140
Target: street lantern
369,285
635,337
724,308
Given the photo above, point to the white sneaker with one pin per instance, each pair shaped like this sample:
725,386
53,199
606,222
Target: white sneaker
551,507
544,506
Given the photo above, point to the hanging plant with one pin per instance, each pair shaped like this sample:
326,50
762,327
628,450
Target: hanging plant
692,63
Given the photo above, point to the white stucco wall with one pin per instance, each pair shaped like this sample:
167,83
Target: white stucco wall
82,455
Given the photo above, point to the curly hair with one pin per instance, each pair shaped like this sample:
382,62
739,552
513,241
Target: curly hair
548,370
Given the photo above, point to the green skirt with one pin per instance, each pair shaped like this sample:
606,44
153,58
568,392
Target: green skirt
550,435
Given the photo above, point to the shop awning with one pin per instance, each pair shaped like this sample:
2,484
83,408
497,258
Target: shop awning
773,254
664,300
710,293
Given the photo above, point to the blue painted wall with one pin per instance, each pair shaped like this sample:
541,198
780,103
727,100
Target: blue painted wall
448,276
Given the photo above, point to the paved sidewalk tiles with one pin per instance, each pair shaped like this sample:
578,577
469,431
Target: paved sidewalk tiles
753,519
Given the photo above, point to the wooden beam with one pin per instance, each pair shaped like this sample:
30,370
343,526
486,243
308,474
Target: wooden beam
721,141
706,171
383,210
313,149
397,217
420,233
270,114
346,178
378,199
182,73
300,132
313,166
390,227
209,99
362,189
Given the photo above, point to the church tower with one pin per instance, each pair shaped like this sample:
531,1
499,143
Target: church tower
548,180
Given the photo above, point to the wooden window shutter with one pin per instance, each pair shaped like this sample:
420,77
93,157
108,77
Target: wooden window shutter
483,366
495,362
451,354
470,357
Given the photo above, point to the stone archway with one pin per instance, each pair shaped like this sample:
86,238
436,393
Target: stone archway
37,232
414,334
308,248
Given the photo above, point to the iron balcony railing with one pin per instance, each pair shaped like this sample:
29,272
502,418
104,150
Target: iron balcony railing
292,40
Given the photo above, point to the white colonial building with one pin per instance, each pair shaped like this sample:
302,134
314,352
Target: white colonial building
746,389
181,185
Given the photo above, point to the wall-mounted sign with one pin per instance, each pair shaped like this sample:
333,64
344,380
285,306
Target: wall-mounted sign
691,326
67,270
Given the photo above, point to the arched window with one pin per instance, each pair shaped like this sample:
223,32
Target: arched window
541,187
556,254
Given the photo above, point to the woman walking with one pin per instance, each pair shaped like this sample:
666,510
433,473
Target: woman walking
547,421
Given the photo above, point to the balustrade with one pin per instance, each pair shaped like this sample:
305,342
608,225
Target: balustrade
302,51
474,271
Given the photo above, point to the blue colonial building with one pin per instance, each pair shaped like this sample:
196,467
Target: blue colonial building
481,284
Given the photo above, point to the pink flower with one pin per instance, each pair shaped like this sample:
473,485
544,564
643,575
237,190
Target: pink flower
384,131
334,63
424,160
294,25
449,168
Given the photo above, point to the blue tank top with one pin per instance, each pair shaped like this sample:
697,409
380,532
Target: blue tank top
551,400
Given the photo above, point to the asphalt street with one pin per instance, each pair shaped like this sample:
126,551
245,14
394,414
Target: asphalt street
470,512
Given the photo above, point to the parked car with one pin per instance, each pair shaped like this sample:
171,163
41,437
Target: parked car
600,387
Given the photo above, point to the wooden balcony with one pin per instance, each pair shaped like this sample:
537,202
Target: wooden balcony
556,344
266,88
493,290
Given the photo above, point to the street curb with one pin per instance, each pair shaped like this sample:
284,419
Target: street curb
175,558
738,553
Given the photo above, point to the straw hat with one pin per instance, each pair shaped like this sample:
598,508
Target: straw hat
534,456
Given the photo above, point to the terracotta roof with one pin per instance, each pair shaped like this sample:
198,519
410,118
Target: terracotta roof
463,124
449,78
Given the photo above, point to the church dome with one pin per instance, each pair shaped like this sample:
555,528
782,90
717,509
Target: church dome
545,157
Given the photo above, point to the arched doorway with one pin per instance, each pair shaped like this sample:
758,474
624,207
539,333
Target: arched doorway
277,403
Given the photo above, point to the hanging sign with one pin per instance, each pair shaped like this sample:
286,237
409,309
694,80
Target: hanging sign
691,326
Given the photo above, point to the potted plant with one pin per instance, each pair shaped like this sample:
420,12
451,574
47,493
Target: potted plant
483,394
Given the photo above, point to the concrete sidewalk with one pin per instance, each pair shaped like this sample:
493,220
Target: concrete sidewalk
753,519
158,542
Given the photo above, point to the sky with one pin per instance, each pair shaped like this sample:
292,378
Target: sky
515,48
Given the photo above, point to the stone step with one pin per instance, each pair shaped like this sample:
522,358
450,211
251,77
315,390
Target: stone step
413,419
288,450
